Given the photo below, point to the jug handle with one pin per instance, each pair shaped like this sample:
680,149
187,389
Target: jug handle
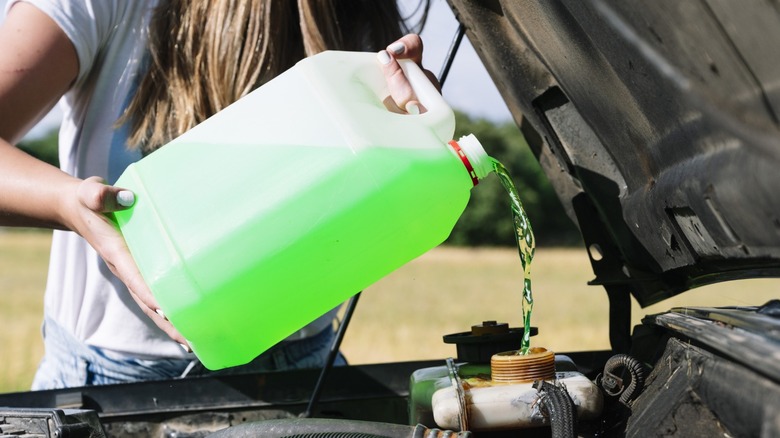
438,116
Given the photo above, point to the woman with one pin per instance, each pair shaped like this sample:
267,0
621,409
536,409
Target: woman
132,75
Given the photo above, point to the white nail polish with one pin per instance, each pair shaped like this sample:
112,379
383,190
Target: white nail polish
412,108
125,198
162,315
186,348
383,57
397,48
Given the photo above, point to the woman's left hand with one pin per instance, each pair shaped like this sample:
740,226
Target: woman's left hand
401,93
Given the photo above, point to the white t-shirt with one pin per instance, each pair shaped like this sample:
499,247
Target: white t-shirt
82,295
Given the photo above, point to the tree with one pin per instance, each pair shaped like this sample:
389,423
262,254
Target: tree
44,148
487,220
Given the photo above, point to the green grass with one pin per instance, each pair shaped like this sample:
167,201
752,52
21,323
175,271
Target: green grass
403,316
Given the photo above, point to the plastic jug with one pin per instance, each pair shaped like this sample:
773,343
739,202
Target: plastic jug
294,198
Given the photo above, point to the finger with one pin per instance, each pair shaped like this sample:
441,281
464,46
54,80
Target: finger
121,263
162,322
95,198
400,89
411,47
99,197
143,296
114,251
408,47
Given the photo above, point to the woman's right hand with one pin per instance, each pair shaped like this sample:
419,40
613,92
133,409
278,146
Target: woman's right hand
87,214
38,64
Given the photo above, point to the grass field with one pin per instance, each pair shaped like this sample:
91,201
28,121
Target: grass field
403,316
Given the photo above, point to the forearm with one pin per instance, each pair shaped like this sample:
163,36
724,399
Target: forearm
37,65
32,192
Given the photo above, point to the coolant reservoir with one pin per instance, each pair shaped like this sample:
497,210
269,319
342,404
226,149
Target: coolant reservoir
491,404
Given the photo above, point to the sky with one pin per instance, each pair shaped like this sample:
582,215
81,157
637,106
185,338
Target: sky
467,88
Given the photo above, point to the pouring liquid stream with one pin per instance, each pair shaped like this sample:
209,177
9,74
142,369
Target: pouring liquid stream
526,246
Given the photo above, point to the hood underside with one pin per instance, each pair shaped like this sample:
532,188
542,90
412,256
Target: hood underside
657,124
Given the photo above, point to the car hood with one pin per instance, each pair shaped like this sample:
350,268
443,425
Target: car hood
657,125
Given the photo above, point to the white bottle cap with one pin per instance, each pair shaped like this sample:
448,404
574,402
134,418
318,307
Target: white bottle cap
471,149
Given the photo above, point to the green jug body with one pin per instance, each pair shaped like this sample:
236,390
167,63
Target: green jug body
280,207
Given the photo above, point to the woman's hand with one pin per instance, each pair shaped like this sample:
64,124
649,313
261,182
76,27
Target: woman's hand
401,93
38,64
87,213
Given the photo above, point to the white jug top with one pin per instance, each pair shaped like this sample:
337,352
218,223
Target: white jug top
474,157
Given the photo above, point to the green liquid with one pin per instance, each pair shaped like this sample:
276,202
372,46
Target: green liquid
525,245
236,272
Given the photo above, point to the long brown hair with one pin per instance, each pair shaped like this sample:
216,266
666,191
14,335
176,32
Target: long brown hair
206,54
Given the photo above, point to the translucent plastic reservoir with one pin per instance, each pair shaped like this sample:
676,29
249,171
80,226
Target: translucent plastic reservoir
491,405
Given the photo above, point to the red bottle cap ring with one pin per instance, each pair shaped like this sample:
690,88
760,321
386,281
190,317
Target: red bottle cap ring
456,147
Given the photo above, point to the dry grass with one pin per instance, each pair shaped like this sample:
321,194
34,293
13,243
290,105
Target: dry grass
23,263
405,315
402,317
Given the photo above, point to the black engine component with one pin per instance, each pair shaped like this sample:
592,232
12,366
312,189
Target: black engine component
329,428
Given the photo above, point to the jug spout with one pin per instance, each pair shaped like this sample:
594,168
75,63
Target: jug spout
473,155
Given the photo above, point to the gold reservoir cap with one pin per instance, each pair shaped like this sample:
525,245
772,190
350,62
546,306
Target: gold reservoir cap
512,367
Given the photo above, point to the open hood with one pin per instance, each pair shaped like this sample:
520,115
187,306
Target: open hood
657,124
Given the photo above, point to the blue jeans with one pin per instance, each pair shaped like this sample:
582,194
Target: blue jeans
68,362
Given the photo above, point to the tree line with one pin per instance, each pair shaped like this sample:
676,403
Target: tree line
487,220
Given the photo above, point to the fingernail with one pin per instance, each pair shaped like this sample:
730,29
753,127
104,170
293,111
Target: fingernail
397,48
383,57
186,348
412,108
162,315
125,198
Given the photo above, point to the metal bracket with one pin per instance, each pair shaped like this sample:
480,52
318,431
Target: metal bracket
463,415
